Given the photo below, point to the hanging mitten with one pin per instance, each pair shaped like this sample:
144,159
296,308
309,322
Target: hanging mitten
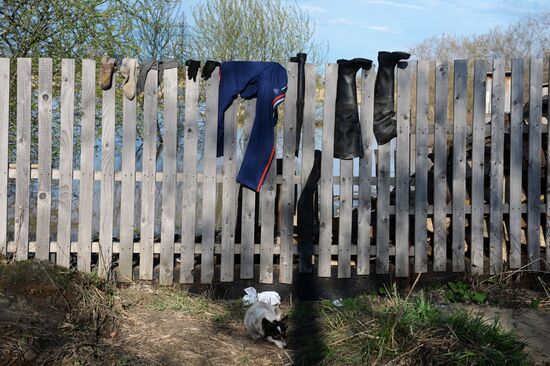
192,69
208,68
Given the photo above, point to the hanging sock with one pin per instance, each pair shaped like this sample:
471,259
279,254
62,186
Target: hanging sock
161,65
106,74
347,129
128,71
385,124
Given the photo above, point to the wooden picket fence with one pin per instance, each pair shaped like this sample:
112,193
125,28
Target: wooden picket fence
421,239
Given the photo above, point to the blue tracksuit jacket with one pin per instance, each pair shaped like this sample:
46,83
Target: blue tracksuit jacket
267,82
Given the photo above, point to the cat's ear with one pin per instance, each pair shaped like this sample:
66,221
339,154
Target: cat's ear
266,324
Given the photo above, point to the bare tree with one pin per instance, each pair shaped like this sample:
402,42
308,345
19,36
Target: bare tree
267,30
530,36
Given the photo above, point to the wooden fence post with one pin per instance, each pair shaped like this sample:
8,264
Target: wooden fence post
44,159
325,190
189,201
21,230
107,182
440,167
87,151
66,164
169,170
127,188
4,128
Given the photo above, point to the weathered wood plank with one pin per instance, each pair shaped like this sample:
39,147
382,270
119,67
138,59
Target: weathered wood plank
267,215
287,190
516,152
478,167
107,182
189,201
248,202
364,226
4,128
127,189
325,189
308,127
421,168
404,71
44,158
440,166
497,167
534,171
459,161
87,142
382,208
209,183
229,194
344,222
547,198
148,186
65,163
169,169
308,144
24,104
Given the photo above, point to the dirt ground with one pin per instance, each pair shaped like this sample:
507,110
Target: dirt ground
62,319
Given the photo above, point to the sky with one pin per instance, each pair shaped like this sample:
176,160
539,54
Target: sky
361,28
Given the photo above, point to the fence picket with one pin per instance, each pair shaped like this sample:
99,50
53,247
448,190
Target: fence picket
325,190
287,189
402,168
229,194
43,204
497,166
267,207
534,171
248,202
516,151
4,130
365,173
21,230
169,170
209,182
478,169
65,164
344,221
86,187
421,168
547,198
440,167
459,161
308,144
107,182
189,201
148,183
127,189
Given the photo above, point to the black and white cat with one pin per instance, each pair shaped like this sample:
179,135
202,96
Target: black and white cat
262,320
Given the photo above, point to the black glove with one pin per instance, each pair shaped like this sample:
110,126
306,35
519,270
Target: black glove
208,68
192,69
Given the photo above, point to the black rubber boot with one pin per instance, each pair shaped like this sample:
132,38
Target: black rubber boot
385,124
347,129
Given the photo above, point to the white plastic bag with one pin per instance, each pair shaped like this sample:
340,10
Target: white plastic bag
270,297
251,296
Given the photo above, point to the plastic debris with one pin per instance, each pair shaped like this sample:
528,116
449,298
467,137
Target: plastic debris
337,302
269,297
